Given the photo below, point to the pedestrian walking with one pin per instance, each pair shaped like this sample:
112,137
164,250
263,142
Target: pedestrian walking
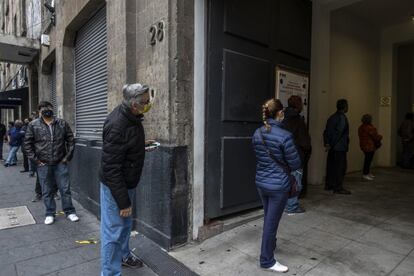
49,142
295,124
15,138
3,132
369,142
276,158
336,139
406,132
123,155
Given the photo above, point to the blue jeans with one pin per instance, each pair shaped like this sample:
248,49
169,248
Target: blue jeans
12,157
273,205
293,202
59,174
115,232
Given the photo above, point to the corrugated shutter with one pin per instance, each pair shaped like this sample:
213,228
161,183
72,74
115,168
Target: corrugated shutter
91,77
52,86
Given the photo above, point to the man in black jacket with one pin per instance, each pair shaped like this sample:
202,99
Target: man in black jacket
50,144
123,154
296,125
3,132
336,139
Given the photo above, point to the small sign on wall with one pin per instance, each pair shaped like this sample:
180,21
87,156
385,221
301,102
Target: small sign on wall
385,101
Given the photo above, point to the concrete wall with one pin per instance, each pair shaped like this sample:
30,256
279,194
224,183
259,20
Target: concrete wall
388,123
354,69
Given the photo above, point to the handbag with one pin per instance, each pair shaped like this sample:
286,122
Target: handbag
292,180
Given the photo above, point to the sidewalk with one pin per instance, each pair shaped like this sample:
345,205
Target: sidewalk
40,249
368,233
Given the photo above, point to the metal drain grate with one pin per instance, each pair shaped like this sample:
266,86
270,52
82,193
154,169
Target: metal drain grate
15,217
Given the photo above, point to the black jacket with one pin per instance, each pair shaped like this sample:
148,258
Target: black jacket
123,153
40,145
295,124
336,133
3,131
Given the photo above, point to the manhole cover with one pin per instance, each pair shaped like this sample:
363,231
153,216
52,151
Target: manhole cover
15,217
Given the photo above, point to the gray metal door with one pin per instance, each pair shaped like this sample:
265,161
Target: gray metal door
91,77
52,87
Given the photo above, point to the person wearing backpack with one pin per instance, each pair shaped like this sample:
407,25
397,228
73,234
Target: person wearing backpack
336,140
276,159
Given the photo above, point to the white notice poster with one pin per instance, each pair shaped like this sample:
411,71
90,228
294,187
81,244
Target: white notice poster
289,83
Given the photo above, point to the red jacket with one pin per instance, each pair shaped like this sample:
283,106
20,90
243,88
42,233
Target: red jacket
369,139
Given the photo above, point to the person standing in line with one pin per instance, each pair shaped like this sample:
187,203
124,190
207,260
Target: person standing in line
295,124
276,158
406,132
336,139
15,141
26,165
123,154
50,143
369,142
3,132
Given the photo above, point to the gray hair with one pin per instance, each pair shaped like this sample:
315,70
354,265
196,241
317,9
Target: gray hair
133,92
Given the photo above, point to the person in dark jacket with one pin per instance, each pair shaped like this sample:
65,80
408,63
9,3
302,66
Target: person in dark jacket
26,166
295,124
369,142
3,132
50,143
271,142
15,139
336,139
406,132
123,154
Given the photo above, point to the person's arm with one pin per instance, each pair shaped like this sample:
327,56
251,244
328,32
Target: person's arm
70,143
304,140
114,151
291,154
374,134
28,144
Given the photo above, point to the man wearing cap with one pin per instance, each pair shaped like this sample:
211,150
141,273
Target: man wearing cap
123,154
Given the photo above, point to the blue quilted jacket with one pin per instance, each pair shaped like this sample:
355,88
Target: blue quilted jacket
269,175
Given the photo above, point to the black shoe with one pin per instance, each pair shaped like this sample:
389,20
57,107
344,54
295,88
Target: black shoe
342,192
328,189
23,171
37,197
32,174
6,165
132,261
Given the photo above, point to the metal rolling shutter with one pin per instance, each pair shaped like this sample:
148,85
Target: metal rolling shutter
91,77
52,86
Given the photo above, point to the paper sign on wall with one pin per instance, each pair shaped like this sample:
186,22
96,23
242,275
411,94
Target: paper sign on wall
289,83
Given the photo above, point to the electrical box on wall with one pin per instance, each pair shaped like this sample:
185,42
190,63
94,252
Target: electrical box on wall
45,40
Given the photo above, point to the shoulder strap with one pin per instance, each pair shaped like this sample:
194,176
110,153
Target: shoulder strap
285,168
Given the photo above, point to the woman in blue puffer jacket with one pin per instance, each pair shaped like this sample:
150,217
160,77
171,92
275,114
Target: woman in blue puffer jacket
272,180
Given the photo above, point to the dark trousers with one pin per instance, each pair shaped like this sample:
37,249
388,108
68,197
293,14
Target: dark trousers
335,170
273,205
367,162
25,161
1,148
407,155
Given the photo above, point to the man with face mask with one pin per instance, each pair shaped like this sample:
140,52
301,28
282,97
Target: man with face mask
50,144
336,139
123,154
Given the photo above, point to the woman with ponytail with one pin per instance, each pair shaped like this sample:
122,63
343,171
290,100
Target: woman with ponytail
276,154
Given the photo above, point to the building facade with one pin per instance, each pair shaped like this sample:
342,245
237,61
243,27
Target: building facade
18,19
210,64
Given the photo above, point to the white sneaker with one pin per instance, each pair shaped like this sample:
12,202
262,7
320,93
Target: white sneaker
73,217
367,177
279,268
371,175
49,220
